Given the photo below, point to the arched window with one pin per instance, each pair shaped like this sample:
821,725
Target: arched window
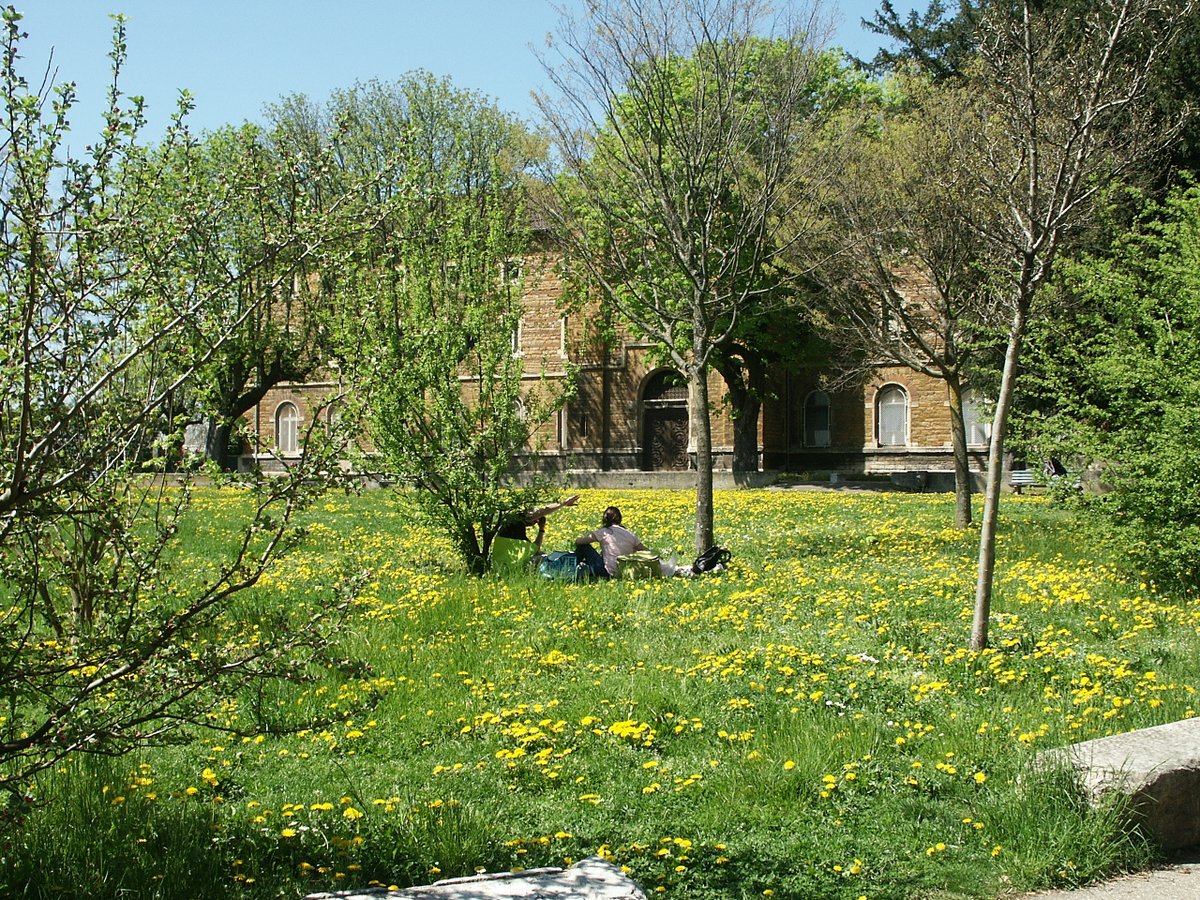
976,418
816,420
287,428
891,416
665,388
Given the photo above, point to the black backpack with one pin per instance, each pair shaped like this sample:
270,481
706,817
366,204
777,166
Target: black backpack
711,558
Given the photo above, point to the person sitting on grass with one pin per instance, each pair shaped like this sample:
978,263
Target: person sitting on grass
516,529
615,541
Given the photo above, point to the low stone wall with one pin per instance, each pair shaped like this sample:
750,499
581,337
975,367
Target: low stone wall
629,479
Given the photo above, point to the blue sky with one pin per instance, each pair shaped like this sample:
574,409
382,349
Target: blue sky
237,57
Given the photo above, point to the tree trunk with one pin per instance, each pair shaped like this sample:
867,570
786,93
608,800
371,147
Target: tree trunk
216,442
962,462
237,399
701,429
745,382
745,435
995,476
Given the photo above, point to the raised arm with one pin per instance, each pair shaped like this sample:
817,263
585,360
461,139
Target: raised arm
537,514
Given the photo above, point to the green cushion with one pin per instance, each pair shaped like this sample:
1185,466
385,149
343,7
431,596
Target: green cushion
639,564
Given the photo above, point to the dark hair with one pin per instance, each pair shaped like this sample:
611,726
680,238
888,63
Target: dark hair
612,516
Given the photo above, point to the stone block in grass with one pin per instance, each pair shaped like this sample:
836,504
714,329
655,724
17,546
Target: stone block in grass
1157,768
589,879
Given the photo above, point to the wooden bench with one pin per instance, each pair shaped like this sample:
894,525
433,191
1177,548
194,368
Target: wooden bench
1023,478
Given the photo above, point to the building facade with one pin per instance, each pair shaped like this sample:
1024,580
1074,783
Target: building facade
629,413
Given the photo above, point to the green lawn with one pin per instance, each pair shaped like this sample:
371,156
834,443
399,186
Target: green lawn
809,723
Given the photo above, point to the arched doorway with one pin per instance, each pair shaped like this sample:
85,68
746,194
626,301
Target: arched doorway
665,422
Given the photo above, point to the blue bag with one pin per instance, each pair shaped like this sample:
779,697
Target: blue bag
559,566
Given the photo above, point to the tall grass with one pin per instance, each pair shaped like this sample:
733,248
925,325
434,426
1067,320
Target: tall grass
809,723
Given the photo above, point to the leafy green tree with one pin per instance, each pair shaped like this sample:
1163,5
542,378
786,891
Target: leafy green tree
677,128
266,289
450,406
1059,114
939,44
769,339
109,639
943,42
906,287
1123,363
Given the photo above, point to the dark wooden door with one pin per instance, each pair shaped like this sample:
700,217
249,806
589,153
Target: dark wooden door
666,439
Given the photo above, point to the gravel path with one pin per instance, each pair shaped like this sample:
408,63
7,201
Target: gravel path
1176,880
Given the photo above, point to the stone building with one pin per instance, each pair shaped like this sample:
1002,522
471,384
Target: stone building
629,414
